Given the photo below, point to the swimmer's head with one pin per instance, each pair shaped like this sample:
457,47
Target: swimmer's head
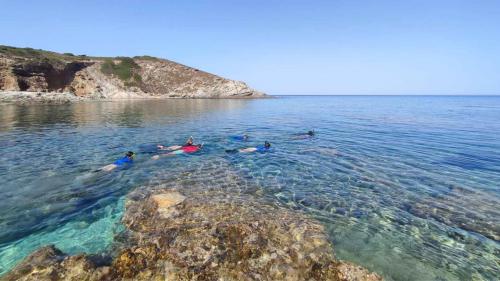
267,144
130,154
310,133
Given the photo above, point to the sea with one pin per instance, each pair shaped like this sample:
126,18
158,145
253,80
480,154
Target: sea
406,186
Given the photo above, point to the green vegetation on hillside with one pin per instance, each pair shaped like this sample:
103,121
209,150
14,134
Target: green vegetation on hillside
146,58
30,53
126,70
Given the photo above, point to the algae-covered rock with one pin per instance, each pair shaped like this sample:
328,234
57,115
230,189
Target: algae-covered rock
349,271
197,234
209,236
49,263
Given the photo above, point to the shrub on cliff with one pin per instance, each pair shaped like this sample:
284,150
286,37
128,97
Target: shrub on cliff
107,67
125,70
146,58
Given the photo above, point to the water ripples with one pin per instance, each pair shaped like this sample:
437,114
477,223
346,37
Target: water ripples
406,186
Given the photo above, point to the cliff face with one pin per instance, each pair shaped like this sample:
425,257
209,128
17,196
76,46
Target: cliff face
28,70
162,76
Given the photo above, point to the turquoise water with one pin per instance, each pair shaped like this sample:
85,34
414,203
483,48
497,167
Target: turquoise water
405,186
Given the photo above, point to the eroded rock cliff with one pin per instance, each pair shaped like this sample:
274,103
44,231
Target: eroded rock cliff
28,70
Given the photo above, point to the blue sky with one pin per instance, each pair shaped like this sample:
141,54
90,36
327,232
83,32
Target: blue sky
284,47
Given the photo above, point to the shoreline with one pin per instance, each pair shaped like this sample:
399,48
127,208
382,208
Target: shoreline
24,97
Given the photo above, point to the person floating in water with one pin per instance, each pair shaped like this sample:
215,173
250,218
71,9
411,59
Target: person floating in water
127,159
310,134
243,137
189,142
185,149
258,148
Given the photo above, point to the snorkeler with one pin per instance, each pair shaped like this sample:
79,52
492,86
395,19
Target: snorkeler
243,137
127,159
189,142
186,149
258,148
301,136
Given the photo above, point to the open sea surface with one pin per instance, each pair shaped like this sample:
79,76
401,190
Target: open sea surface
406,186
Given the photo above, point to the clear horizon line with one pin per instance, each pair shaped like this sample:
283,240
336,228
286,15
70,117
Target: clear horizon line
463,95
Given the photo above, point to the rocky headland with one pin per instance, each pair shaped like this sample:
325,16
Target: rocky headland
202,234
35,75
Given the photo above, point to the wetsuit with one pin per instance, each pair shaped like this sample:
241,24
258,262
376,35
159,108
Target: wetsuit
123,161
239,138
262,148
190,148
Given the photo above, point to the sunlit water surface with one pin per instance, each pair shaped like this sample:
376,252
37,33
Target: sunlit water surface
405,186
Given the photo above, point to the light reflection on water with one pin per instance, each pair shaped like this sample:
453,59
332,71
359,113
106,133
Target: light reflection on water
406,186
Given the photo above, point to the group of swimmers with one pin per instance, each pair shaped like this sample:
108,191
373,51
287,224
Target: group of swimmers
191,147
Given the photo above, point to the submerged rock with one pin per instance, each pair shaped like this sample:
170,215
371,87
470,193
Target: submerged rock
469,210
165,202
49,263
203,235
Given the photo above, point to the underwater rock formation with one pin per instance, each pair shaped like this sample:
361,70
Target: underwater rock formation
202,235
480,215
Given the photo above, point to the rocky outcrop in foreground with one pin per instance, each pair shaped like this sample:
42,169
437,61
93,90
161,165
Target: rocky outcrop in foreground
202,235
27,70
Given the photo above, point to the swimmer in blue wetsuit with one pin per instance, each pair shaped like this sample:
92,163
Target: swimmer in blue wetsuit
258,148
243,137
127,159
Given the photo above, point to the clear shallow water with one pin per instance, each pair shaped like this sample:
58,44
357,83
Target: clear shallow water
406,186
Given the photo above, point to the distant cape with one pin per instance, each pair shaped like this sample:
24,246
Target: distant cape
25,70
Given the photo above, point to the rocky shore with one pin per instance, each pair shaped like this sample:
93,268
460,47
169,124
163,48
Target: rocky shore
53,76
202,234
39,97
